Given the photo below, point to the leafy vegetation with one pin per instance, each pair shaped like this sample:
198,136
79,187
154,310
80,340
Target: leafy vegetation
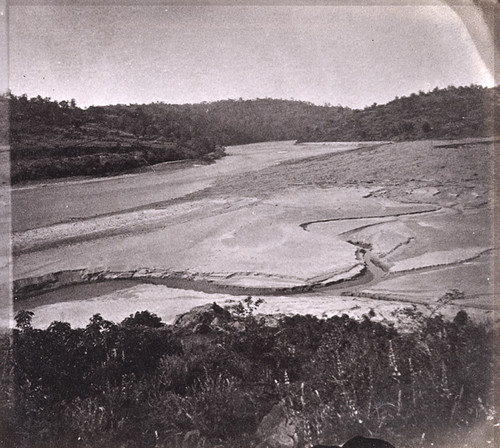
57,139
141,383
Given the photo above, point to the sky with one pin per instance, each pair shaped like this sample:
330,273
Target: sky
348,55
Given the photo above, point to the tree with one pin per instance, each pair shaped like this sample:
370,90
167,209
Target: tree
143,319
23,319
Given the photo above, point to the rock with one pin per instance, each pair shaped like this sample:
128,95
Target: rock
270,421
284,436
218,321
278,429
202,315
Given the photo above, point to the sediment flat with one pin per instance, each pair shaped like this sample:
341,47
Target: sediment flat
278,217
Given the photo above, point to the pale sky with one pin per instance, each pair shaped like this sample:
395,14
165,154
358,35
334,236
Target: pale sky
348,55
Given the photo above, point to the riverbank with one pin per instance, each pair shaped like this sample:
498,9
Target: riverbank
117,299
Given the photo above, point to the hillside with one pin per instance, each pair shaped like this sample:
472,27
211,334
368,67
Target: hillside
52,139
443,113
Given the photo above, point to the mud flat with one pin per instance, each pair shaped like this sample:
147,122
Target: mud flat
403,222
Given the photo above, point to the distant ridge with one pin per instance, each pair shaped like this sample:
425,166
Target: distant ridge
109,139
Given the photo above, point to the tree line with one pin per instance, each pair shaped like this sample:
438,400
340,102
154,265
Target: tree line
54,139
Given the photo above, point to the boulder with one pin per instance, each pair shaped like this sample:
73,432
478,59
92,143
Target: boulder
278,429
202,316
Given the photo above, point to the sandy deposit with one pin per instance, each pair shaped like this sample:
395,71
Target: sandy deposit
238,240
170,302
438,258
293,219
41,205
474,278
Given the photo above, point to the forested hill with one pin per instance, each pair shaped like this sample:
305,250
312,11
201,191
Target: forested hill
58,139
442,113
225,122
454,112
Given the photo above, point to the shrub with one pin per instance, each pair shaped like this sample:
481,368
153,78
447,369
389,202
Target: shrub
143,319
134,385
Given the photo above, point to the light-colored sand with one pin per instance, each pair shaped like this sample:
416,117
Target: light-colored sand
229,238
125,222
473,278
46,204
438,258
169,302
266,225
248,240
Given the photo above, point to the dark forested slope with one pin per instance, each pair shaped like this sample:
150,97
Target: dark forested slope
454,112
58,139
50,139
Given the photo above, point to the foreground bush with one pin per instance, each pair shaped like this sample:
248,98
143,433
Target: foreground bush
141,384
